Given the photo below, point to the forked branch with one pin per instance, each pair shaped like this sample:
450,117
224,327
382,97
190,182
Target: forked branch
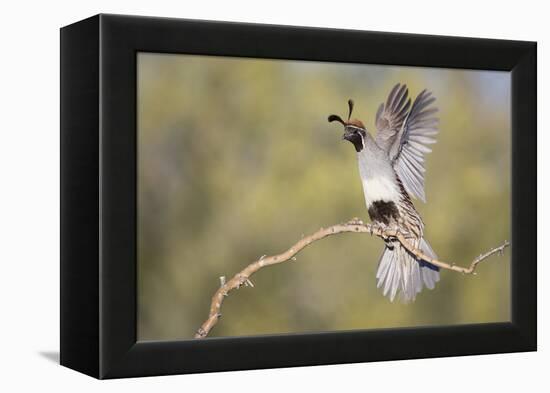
356,226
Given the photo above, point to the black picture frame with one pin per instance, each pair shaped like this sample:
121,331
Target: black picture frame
98,195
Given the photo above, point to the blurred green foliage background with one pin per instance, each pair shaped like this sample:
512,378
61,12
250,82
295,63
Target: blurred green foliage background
237,160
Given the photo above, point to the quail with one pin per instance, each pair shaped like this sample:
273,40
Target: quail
391,168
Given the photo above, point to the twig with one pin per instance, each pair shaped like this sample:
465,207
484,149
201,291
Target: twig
355,225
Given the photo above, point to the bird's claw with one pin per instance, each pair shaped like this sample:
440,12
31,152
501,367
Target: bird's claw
380,227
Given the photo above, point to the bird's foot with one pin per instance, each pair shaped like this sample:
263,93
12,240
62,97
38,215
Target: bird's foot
381,228
395,229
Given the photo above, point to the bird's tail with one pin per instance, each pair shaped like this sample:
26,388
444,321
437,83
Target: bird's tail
400,272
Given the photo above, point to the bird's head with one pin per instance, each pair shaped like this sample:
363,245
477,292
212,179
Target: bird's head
354,130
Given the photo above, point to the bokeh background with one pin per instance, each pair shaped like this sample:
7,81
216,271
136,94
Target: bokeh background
237,160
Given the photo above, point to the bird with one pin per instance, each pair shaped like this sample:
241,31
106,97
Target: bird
391,168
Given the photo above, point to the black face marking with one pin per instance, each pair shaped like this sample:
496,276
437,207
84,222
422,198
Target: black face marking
353,135
382,211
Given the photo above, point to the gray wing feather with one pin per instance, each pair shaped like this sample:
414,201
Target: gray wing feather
391,115
405,135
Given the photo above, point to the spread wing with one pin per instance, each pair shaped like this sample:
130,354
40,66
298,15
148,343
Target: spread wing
391,115
406,136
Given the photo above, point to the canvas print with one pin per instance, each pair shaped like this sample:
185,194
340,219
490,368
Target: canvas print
282,197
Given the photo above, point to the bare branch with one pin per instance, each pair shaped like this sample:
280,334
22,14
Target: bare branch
356,226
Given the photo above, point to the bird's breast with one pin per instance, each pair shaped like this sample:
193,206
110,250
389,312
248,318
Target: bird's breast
378,178
380,189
